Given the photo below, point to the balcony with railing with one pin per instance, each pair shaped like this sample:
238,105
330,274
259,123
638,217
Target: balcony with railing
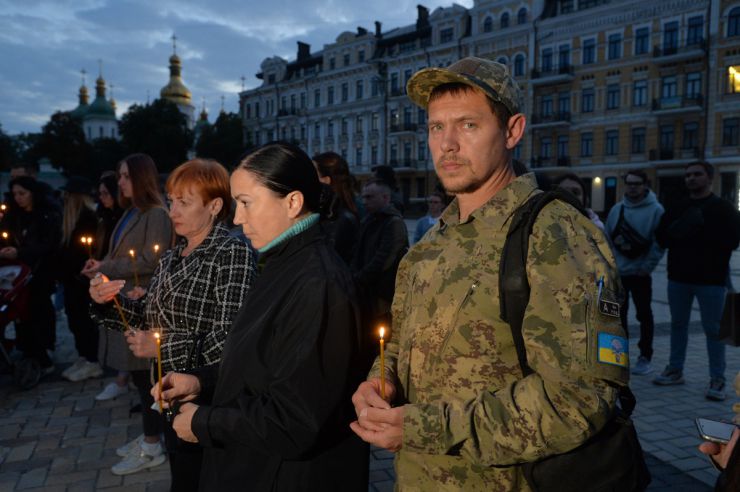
667,54
662,154
553,75
550,119
676,104
406,127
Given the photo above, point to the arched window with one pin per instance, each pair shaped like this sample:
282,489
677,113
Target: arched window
521,17
504,20
488,25
502,60
733,22
519,65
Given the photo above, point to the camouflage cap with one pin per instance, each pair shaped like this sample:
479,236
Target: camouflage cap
491,77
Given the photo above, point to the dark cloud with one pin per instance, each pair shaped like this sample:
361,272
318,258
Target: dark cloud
45,43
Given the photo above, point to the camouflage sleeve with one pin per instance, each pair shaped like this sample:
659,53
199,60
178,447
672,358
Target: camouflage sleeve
567,399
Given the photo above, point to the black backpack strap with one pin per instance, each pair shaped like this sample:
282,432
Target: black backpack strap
513,283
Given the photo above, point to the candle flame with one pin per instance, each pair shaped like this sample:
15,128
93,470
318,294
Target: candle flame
83,239
5,235
3,207
156,248
382,332
156,335
132,253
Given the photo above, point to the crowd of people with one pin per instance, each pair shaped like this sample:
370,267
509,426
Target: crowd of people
253,346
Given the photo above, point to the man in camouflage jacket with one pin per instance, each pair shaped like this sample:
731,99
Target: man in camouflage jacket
465,417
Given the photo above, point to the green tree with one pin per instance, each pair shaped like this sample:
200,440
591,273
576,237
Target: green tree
158,129
223,141
106,153
8,150
63,142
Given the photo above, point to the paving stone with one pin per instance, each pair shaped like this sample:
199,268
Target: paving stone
86,486
32,478
20,453
107,479
161,472
71,477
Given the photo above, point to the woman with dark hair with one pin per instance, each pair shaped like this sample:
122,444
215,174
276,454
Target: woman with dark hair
109,213
34,231
78,222
144,224
193,297
280,413
342,219
575,186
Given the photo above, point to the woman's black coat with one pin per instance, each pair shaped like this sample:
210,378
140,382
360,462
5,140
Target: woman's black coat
282,401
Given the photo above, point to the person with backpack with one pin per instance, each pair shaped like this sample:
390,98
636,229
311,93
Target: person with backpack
471,401
631,226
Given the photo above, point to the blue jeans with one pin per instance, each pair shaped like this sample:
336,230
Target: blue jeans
711,302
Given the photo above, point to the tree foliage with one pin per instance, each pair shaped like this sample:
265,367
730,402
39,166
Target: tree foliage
8,151
158,129
223,141
63,142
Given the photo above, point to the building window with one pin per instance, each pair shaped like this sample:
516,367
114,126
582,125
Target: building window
394,83
374,122
612,96
346,59
488,25
612,142
518,65
670,37
564,103
733,79
733,22
587,101
373,155
587,144
693,85
547,60
330,129
248,110
358,124
546,106
394,155
589,51
421,116
316,98
283,103
361,56
690,135
332,63
695,34
407,117
374,87
667,139
345,92
358,156
546,148
421,151
639,93
256,110
615,46
504,20
642,40
638,140
345,126
668,87
563,56
330,95
731,132
303,132
303,100
446,35
359,87
521,16
563,146
407,153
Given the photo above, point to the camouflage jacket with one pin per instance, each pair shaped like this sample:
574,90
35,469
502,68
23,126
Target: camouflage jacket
470,416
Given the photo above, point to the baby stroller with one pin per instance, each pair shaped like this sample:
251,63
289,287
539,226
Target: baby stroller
14,306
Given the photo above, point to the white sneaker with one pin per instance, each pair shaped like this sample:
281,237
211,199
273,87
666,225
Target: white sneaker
111,391
74,367
136,462
85,371
129,447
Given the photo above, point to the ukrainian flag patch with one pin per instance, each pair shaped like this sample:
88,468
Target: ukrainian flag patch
613,350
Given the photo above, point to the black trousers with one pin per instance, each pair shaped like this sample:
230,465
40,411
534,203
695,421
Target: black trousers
150,419
77,307
37,334
641,290
185,461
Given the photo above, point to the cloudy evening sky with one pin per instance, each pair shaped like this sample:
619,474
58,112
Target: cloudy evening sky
45,43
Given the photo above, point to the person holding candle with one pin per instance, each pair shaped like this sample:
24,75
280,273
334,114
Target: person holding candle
78,223
279,415
143,223
34,230
109,213
191,301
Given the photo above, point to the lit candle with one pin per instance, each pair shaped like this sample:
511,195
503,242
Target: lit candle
156,250
6,236
118,308
3,208
158,338
132,253
87,241
382,363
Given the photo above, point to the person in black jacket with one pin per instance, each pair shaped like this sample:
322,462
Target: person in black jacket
34,229
700,234
79,223
382,243
109,213
280,412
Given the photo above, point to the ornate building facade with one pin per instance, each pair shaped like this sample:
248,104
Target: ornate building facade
609,85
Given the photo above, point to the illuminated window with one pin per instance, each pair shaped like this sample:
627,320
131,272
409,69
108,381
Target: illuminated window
733,79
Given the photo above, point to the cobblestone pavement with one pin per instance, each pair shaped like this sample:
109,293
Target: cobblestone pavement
56,437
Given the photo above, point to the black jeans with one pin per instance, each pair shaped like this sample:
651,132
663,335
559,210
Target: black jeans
641,289
77,307
185,461
150,419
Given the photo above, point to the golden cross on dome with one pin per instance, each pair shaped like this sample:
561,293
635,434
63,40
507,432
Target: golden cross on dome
174,44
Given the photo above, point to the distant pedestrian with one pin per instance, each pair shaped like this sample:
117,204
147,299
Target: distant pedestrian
436,203
387,175
631,225
700,234
574,185
342,221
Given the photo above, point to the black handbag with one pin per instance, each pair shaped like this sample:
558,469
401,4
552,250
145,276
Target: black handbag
612,460
627,240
